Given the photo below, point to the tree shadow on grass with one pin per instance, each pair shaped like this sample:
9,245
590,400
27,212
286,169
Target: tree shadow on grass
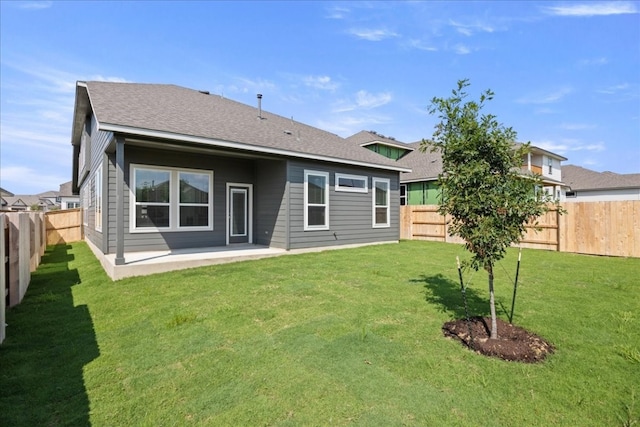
49,341
445,294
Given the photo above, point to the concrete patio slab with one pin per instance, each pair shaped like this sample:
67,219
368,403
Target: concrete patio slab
145,263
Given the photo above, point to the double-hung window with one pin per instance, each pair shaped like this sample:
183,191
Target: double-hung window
194,199
316,200
164,199
381,201
98,198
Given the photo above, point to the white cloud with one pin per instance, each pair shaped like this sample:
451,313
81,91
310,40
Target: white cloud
546,98
246,85
320,82
30,180
612,90
461,49
368,100
576,126
337,12
345,126
593,9
594,61
373,34
421,45
472,28
363,100
100,78
565,146
34,5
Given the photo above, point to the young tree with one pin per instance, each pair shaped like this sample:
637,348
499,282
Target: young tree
483,187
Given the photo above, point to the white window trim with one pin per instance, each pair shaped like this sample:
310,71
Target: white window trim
249,219
85,204
174,200
403,198
338,187
373,203
98,199
325,175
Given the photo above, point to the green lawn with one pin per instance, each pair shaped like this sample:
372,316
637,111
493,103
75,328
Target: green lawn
348,337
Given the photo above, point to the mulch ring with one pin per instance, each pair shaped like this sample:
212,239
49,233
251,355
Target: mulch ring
513,343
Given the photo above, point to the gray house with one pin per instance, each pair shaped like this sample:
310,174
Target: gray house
587,185
162,167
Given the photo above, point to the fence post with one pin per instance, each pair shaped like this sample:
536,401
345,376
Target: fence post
3,275
25,253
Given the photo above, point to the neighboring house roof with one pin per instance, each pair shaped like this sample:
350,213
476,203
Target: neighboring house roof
424,165
579,178
65,190
538,150
48,194
26,201
364,138
192,117
4,192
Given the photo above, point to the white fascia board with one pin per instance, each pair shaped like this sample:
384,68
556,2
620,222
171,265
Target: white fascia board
411,181
239,146
388,144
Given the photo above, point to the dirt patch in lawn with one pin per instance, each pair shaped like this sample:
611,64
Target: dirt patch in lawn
513,343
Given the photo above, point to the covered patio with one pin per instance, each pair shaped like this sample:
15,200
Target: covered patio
151,262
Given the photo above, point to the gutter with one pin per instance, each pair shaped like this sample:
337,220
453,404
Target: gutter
239,146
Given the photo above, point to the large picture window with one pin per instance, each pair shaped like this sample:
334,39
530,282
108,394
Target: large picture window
381,202
316,200
170,199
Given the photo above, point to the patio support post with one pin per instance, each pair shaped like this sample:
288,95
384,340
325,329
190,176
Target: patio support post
119,200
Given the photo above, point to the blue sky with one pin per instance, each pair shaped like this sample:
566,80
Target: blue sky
566,74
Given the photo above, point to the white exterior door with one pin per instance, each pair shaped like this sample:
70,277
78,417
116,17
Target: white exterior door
239,224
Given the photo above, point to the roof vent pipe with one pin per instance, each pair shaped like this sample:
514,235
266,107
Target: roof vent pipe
260,106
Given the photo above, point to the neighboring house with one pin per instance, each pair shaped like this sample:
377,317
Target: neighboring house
165,167
549,166
66,199
586,185
420,187
27,202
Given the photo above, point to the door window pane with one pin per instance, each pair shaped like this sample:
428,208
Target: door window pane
238,213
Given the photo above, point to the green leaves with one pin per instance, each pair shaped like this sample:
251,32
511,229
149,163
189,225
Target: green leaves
483,190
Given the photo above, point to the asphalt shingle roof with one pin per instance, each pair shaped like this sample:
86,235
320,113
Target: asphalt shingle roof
179,113
579,178
425,165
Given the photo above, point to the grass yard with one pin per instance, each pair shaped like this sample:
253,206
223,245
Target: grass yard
348,337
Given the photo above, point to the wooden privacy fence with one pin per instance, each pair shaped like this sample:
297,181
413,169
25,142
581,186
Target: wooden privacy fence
64,226
22,237
597,228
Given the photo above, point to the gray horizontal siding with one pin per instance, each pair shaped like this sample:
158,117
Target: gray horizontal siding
270,206
98,143
350,213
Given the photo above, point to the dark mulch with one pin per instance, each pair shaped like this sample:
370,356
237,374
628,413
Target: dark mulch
513,343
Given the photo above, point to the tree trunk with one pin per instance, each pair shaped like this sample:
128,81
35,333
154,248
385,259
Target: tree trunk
492,303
